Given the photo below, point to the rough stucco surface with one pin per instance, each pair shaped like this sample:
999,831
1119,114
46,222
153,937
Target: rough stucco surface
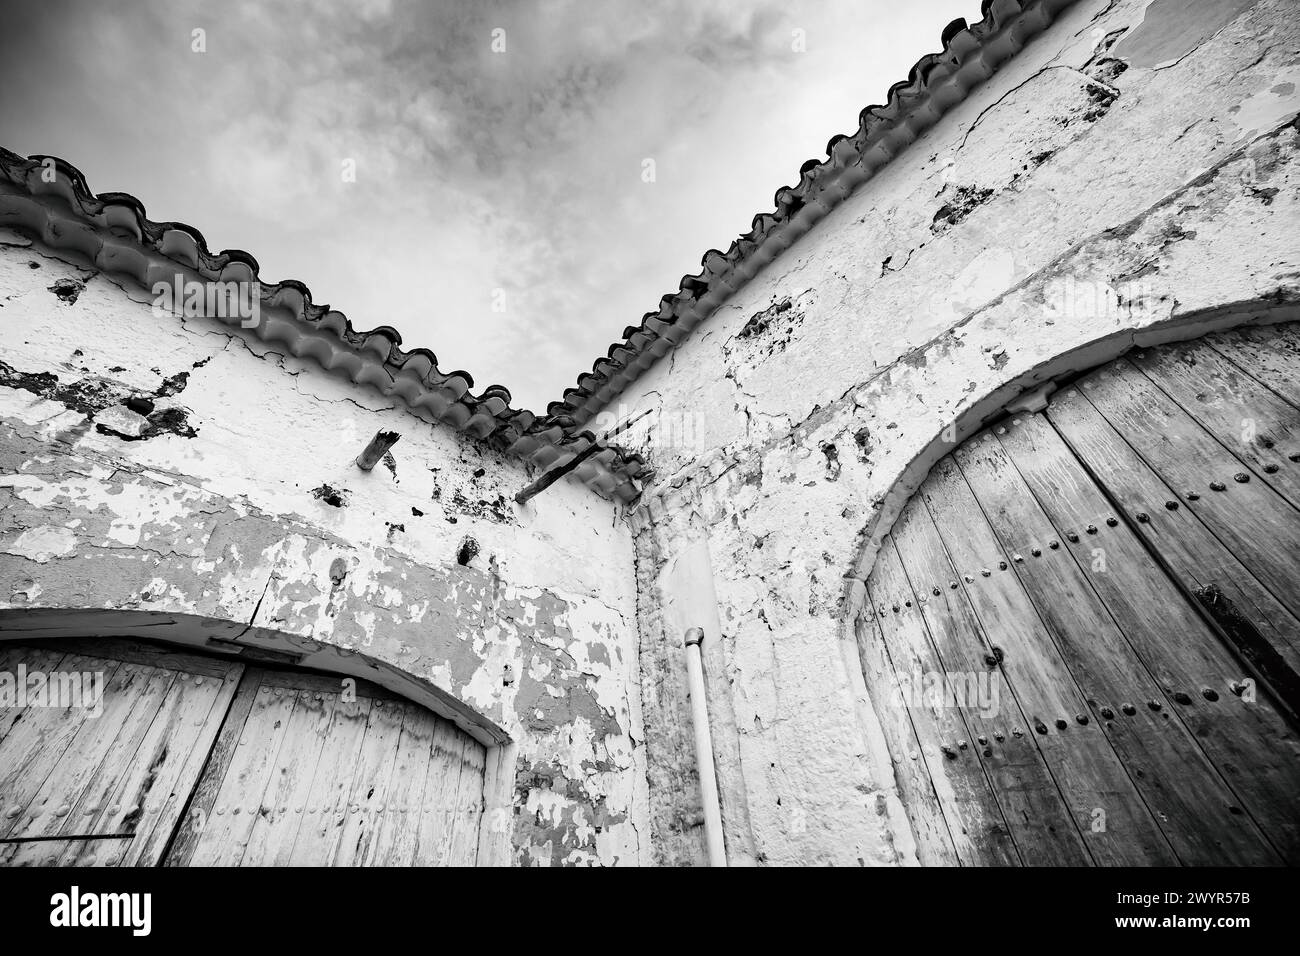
174,468
815,400
169,465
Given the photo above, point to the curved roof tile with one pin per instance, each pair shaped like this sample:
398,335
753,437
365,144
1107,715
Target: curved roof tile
51,207
936,83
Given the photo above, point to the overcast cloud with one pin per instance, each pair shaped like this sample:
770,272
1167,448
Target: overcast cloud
476,171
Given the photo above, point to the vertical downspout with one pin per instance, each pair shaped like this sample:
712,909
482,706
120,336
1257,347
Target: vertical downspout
704,749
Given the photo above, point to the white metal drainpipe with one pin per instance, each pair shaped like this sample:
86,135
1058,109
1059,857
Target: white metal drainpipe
704,749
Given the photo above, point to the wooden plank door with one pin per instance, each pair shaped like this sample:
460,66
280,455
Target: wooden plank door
1254,747
189,759
1122,569
1040,820
1269,354
1247,516
1196,811
1170,521
96,786
313,770
1114,822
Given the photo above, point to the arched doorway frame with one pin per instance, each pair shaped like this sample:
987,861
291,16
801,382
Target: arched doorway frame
236,641
1025,391
1028,392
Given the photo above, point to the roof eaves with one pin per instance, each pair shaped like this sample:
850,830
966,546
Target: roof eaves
936,83
49,198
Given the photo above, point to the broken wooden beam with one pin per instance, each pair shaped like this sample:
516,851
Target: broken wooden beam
551,477
555,474
376,450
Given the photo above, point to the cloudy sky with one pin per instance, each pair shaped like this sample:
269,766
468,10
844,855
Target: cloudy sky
500,212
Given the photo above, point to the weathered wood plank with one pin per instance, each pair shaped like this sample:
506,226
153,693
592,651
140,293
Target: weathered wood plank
370,784
1195,808
289,789
1256,523
242,796
1092,777
441,785
469,804
399,826
1248,419
1211,539
200,812
167,770
1251,744
36,743
338,684
105,775
248,785
145,654
34,657
1269,353
327,809
950,752
288,750
95,758
934,841
288,741
1044,830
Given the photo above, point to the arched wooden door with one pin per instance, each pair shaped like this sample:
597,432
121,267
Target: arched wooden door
184,759
1083,634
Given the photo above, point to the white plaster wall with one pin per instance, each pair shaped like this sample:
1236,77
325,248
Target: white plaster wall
1143,148
535,636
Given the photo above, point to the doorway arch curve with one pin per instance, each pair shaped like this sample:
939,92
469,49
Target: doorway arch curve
1081,636
237,640
132,738
1025,385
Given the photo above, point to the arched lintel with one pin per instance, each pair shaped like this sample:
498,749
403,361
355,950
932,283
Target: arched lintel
253,645
980,412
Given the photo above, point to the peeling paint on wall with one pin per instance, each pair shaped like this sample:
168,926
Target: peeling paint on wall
1170,29
1131,175
1080,202
243,508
